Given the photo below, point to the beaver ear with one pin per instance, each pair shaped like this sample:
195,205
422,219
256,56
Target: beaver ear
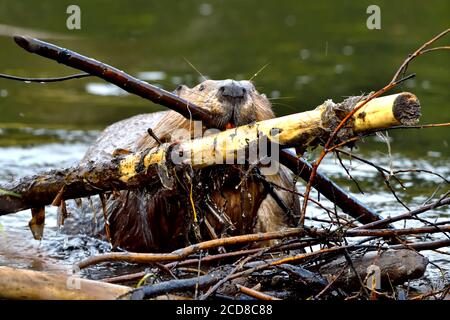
180,88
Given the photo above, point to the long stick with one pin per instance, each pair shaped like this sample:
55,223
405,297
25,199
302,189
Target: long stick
81,181
398,232
256,294
182,253
175,286
299,166
112,75
349,204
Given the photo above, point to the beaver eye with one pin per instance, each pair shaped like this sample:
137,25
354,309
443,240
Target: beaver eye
201,88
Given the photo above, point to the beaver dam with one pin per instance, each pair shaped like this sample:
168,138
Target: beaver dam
220,199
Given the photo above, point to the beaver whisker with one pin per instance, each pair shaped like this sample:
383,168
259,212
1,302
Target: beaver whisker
195,69
257,73
280,98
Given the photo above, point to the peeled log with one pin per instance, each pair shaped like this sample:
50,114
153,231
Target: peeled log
396,266
27,284
375,115
303,129
152,167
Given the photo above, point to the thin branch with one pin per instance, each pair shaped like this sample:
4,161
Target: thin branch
441,202
417,53
45,80
256,294
185,252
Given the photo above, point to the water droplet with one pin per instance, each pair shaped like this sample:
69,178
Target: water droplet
102,89
426,84
302,80
152,75
434,154
205,9
348,50
275,94
339,68
411,83
305,54
290,20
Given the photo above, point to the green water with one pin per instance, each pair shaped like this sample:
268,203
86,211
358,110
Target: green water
315,50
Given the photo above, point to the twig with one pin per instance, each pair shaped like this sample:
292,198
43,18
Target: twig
330,284
329,189
174,285
125,277
394,82
182,253
256,294
154,136
397,232
45,80
406,215
432,293
229,276
358,277
113,75
418,52
421,246
349,174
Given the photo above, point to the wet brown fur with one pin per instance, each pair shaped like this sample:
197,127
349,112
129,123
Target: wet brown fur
162,220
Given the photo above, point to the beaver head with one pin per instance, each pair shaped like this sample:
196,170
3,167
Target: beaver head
227,199
231,103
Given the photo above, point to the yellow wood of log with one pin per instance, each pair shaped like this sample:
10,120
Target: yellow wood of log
377,114
296,129
27,284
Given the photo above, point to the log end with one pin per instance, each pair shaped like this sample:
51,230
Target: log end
406,109
25,42
395,267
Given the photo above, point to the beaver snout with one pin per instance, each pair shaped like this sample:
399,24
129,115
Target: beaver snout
232,92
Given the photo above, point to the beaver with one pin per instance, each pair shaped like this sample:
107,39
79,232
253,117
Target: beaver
222,200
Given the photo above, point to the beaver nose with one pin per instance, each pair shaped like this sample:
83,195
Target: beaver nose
232,91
